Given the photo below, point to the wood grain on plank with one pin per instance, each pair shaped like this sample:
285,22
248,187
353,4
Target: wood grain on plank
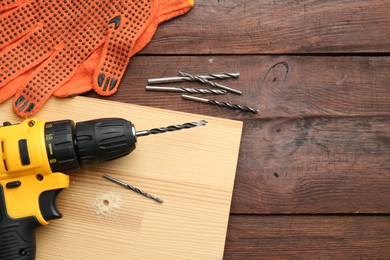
314,165
308,237
276,27
280,86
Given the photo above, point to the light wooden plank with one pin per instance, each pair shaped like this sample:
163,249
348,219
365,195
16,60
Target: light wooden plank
192,170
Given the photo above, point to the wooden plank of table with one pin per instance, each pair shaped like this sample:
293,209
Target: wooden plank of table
280,86
314,165
308,237
281,26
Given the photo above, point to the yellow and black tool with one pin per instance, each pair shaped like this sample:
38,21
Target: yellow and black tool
35,155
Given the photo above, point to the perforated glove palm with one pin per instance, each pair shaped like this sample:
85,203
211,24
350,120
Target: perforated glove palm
69,47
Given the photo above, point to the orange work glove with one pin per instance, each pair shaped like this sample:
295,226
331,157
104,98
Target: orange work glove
82,81
46,45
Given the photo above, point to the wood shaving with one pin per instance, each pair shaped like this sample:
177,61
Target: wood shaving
107,203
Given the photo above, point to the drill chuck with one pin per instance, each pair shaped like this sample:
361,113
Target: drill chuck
104,139
71,145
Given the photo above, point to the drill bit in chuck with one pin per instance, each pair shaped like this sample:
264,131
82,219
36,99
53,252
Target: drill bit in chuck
187,90
170,128
128,186
222,104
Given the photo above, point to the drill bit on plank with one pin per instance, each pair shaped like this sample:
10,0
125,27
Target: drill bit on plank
128,186
182,79
170,128
187,90
222,104
205,81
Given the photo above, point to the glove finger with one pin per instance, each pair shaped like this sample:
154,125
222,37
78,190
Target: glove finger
80,83
7,5
23,55
41,84
14,24
10,89
50,76
82,79
122,43
169,9
118,46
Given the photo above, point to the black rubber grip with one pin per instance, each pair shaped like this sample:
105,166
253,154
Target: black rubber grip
104,139
17,236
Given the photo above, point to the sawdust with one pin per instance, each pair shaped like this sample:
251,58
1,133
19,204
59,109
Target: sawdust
106,204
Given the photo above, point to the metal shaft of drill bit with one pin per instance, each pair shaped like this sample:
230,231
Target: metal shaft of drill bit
187,90
206,81
222,104
170,128
128,186
181,79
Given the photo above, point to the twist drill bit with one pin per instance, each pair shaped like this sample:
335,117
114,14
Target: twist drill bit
181,79
222,104
206,81
187,90
221,76
169,128
128,186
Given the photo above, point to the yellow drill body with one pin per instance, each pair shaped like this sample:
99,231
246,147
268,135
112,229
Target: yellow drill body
25,168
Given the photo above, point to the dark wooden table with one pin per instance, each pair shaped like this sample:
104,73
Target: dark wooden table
313,177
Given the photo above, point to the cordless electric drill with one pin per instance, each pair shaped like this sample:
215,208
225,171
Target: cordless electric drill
35,157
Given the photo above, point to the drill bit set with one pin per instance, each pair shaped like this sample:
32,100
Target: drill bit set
218,89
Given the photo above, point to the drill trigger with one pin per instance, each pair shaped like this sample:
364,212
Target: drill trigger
48,205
